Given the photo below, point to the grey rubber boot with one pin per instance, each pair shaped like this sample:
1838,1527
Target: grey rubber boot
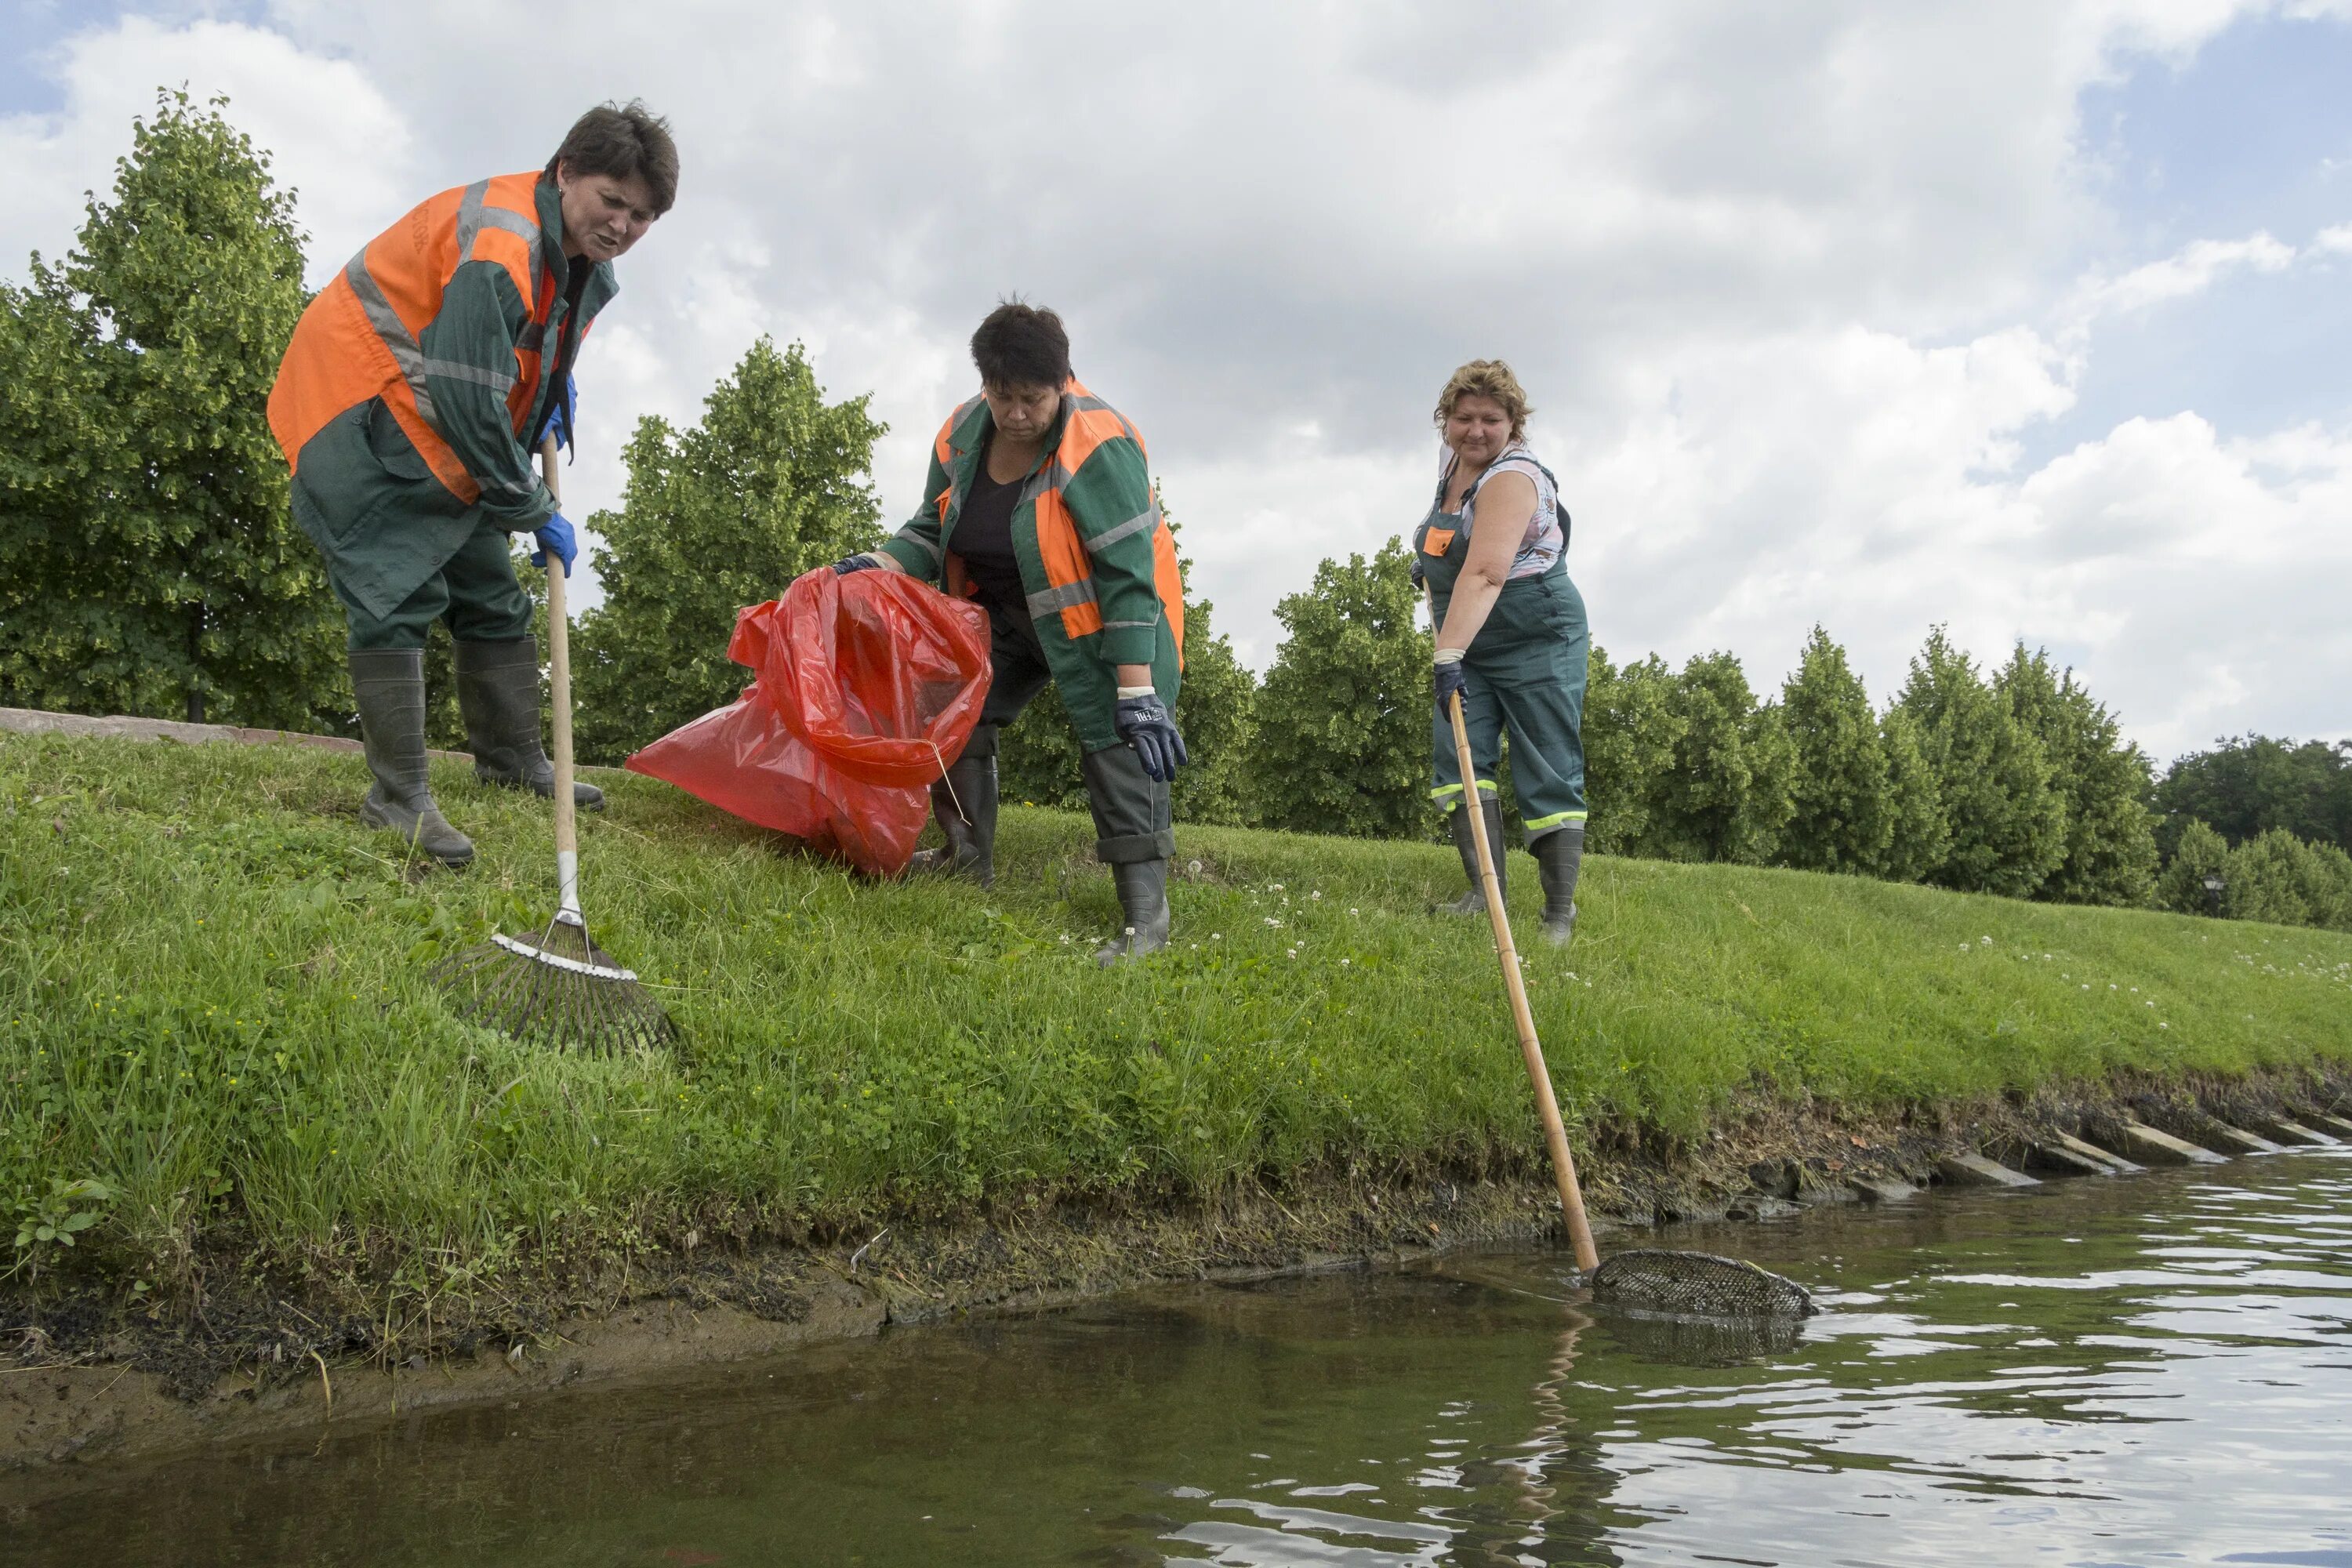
1143,900
1559,855
971,851
498,693
1473,903
390,687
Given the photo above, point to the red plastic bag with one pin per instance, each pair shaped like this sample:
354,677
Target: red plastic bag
868,685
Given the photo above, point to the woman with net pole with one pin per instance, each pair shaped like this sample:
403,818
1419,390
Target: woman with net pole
1039,505
1511,635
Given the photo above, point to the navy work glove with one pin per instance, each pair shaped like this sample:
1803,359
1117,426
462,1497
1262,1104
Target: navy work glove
558,418
555,534
1144,723
1420,578
1450,682
848,564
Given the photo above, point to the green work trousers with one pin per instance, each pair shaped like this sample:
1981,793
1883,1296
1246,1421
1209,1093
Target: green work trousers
1131,809
1525,671
475,591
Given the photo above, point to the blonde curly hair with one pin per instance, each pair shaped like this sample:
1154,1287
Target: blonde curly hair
1486,378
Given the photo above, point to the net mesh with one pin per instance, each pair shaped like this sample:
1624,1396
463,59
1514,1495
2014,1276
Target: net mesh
1696,1285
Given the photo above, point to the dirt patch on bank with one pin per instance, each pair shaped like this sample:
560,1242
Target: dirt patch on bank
83,1379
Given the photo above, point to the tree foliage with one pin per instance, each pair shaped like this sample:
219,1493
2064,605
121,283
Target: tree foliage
149,561
1724,793
1343,718
1919,837
773,480
1844,817
2248,784
1632,723
2103,779
2007,823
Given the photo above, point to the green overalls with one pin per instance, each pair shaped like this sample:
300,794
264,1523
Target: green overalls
1525,668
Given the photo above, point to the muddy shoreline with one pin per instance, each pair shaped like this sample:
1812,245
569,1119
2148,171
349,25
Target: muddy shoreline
83,1379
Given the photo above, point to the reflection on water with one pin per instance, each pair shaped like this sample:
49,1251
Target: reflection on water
2149,1369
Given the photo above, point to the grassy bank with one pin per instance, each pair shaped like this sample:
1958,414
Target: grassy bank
217,1038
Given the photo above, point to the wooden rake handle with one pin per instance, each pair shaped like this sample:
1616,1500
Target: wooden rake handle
1563,1163
559,683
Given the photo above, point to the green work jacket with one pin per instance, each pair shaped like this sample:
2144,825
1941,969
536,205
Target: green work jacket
363,491
1109,499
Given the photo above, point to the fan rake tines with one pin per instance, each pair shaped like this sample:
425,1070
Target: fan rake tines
554,987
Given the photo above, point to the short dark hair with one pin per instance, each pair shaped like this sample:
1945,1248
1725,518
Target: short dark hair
1022,345
620,139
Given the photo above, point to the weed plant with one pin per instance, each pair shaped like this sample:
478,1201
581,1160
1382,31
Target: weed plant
216,1036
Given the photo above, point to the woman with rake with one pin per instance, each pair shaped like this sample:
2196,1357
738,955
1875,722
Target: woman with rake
411,399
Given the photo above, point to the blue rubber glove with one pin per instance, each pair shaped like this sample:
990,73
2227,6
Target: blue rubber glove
556,534
849,564
1144,723
560,416
1450,681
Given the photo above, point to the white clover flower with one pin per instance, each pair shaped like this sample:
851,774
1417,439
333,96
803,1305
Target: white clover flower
1317,893
1986,941
2161,1024
1272,921
1343,964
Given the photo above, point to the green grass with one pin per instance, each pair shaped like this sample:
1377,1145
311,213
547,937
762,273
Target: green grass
214,1003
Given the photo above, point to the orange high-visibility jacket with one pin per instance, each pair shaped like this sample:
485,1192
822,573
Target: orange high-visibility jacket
416,377
1096,557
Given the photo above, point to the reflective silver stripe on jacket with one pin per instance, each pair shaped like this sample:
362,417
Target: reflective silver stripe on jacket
456,369
911,537
1068,596
394,331
1147,518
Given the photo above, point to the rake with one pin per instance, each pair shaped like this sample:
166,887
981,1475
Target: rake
555,985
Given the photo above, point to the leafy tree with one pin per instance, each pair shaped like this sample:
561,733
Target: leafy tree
2181,887
1724,793
1217,712
2008,824
2103,781
773,481
1921,838
1771,802
2247,783
149,560
1037,761
1632,727
1843,819
1342,720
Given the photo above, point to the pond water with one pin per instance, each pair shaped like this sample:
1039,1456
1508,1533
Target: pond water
2152,1369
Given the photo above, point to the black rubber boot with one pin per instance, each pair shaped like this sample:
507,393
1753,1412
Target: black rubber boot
965,805
1473,903
390,687
1560,854
498,693
1143,900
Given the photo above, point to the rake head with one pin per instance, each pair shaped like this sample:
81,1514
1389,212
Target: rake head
554,987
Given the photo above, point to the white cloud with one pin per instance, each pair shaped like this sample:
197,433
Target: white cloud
2190,272
332,135
1790,286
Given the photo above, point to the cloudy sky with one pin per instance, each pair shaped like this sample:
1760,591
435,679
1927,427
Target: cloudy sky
2032,318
